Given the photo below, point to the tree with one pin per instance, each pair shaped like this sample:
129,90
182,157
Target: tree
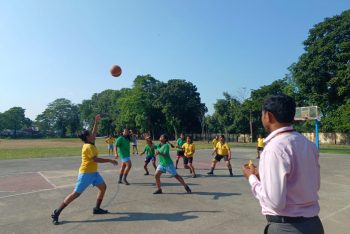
137,109
322,73
228,114
14,119
338,120
104,103
59,117
181,105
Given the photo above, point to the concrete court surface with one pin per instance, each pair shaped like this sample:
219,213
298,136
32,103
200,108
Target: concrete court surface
30,189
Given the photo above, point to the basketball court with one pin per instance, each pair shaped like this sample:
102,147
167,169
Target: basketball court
31,189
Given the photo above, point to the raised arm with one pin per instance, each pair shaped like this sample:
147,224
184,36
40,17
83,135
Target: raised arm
95,128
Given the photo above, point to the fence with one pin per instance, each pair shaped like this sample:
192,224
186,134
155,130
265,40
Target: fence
324,138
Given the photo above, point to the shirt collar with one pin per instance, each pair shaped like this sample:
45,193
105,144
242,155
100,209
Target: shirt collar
277,131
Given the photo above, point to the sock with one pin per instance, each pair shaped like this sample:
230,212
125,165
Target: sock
98,203
59,210
212,170
125,175
230,171
120,177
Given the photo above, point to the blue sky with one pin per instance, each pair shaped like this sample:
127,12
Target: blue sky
64,49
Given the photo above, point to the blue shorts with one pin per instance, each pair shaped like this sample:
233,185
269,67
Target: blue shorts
149,158
169,168
110,147
85,179
125,159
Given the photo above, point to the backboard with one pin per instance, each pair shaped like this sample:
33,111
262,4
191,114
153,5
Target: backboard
306,113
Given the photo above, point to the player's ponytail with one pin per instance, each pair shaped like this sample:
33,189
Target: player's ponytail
166,138
83,135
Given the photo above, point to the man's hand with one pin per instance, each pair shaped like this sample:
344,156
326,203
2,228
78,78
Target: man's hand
247,171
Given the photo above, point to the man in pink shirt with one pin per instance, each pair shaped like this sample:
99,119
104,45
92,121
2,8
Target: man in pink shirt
288,178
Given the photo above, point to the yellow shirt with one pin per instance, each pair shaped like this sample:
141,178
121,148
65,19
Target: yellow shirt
261,142
188,149
110,140
222,149
87,164
214,142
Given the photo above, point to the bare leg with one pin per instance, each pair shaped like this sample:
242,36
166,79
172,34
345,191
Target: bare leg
71,197
126,172
145,167
213,164
181,180
121,173
56,213
192,169
228,163
157,177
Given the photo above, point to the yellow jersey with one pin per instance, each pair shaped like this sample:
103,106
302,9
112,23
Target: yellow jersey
110,140
222,149
214,142
261,142
87,163
188,149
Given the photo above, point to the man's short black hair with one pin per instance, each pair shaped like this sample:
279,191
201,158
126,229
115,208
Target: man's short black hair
281,106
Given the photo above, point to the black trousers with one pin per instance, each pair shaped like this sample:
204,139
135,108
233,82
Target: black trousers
309,226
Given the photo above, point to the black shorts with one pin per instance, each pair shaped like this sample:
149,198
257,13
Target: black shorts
259,148
219,157
180,153
188,160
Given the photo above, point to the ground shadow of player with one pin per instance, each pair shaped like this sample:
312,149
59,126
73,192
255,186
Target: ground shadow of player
234,176
216,195
139,216
165,184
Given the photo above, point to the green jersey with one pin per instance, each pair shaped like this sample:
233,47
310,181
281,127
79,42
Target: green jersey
180,142
123,147
149,151
164,160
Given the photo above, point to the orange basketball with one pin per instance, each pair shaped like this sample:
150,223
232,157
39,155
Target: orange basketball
116,71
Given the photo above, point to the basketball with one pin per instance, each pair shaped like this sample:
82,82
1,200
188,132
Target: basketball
116,71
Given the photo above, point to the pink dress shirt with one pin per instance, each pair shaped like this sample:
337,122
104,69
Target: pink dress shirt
289,175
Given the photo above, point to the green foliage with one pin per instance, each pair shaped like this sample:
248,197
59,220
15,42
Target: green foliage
14,119
181,106
60,117
323,71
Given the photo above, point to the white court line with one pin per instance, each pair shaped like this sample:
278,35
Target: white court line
37,191
7,191
47,180
336,212
18,173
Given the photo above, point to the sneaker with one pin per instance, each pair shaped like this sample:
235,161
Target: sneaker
120,182
231,175
146,173
188,190
126,182
99,211
54,217
210,173
194,176
158,191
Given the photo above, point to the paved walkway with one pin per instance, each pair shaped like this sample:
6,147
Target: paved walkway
30,189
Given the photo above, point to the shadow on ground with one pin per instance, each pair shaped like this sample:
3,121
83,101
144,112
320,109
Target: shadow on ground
139,216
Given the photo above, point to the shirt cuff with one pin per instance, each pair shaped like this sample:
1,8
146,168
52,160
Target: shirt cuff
253,179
